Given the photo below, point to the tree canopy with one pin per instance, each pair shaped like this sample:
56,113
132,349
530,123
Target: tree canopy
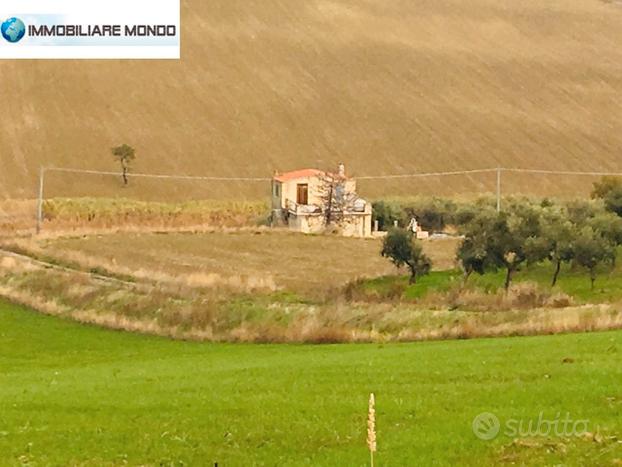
125,154
402,249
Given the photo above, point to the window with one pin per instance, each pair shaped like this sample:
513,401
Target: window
302,193
277,190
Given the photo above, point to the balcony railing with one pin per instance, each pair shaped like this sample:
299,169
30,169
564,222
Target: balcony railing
299,209
360,207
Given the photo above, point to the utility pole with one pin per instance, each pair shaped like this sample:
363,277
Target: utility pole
40,200
499,189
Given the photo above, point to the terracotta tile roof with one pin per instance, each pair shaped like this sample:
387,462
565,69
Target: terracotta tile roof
302,173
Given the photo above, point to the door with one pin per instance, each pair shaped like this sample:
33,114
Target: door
302,194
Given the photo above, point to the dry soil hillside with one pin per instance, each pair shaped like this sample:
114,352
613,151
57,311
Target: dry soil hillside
386,86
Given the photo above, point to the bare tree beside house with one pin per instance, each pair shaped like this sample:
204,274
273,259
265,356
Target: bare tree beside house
336,197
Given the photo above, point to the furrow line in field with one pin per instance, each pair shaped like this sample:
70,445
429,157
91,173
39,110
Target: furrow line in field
66,269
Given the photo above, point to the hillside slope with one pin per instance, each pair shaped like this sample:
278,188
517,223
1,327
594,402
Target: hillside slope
385,86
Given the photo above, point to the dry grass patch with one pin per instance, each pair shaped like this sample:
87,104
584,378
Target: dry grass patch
16,216
237,286
261,259
520,296
229,315
117,213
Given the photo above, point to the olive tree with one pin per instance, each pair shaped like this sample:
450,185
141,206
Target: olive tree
555,242
476,252
609,226
401,248
509,235
609,189
592,249
580,211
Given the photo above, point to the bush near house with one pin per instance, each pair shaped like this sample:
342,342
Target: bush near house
433,214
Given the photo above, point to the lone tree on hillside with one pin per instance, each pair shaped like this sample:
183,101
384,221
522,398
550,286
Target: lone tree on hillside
125,154
400,247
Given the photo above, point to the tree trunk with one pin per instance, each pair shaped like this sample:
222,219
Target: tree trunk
413,276
329,207
508,278
558,267
467,274
592,277
125,180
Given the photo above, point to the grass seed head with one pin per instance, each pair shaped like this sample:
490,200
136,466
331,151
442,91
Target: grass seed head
371,424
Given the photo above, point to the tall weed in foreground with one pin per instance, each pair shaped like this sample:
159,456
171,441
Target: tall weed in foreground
371,427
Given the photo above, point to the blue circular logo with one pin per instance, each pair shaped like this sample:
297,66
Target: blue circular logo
13,30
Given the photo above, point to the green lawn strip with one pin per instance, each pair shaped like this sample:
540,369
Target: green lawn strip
574,282
78,394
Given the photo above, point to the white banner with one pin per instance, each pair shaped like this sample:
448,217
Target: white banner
89,29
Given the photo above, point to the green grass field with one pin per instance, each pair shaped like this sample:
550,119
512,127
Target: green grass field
572,281
76,395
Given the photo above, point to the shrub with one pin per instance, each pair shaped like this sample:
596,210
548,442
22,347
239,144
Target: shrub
521,296
386,214
433,214
402,249
360,291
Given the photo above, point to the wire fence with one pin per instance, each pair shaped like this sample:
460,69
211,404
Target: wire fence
156,176
358,177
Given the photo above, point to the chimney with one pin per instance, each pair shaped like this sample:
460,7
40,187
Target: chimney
342,170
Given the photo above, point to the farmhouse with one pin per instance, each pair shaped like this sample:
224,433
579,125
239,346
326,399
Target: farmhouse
310,200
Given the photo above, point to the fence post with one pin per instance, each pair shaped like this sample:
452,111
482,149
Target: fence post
499,189
40,201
